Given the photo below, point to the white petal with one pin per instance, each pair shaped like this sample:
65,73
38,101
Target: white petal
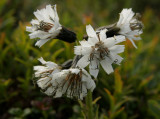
34,21
92,41
37,67
39,34
50,10
83,62
84,90
74,71
49,91
117,49
94,68
29,29
40,42
90,32
125,16
42,60
55,31
80,50
86,74
119,39
43,82
103,36
58,93
90,84
38,15
85,43
133,43
109,42
48,63
56,71
116,58
106,64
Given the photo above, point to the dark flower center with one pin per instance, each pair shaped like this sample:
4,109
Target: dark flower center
44,26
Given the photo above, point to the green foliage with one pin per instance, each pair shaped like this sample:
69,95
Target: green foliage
131,92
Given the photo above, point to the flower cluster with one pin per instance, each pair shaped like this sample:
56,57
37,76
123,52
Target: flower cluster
54,81
99,47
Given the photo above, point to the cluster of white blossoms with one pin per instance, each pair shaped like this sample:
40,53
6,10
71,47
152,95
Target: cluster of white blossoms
100,47
54,81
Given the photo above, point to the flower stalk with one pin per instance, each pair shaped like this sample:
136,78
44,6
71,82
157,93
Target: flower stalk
89,105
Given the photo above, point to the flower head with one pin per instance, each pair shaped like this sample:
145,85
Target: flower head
99,50
72,82
46,26
130,25
44,73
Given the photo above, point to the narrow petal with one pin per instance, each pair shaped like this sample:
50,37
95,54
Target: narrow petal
119,39
109,42
39,34
94,68
106,64
42,60
80,50
49,91
117,48
133,43
90,32
92,41
103,36
84,43
58,93
39,43
43,82
38,15
83,62
29,29
116,58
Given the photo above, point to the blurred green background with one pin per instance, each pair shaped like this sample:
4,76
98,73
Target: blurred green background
131,92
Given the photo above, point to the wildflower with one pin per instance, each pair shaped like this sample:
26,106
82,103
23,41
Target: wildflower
47,27
99,50
130,25
71,82
44,73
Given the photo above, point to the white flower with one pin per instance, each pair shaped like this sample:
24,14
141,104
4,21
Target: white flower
72,82
44,73
46,26
129,25
99,50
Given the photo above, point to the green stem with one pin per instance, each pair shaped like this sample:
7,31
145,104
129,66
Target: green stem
89,105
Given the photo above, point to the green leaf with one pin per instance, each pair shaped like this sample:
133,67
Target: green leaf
111,99
145,82
154,108
95,101
118,82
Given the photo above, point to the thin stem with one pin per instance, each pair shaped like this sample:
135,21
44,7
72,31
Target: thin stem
89,105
